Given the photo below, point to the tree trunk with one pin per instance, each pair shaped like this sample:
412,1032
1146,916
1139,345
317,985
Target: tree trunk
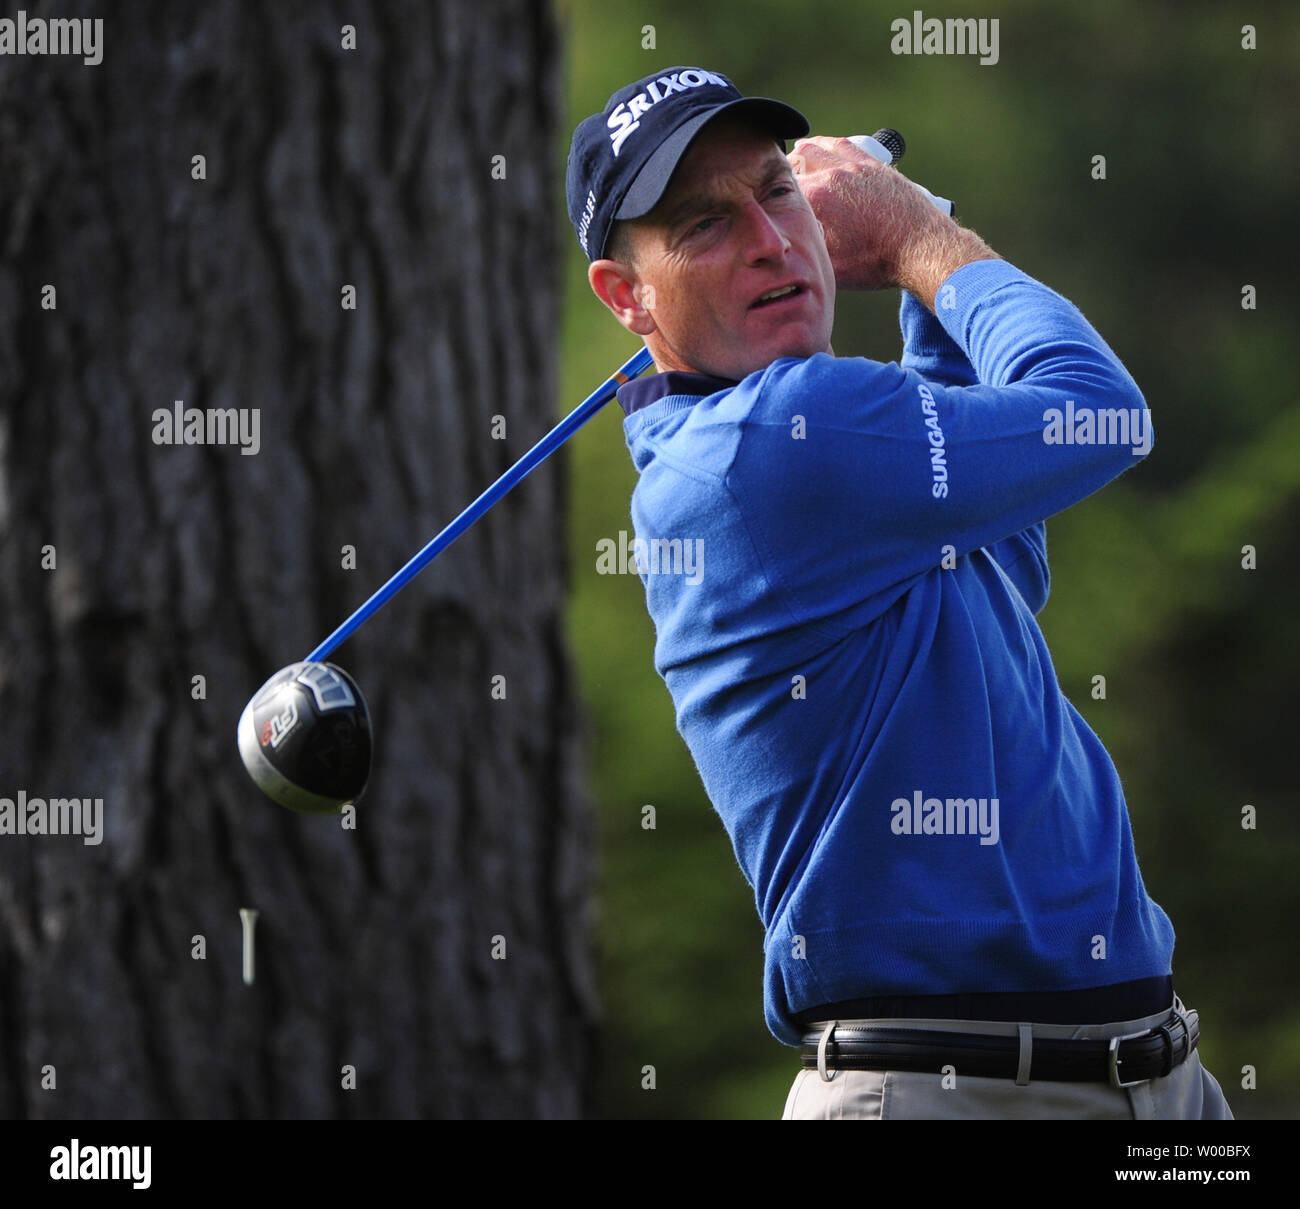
437,955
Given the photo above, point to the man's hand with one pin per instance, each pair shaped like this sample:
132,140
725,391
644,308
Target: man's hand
881,231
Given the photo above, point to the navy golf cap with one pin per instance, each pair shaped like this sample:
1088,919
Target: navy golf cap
622,158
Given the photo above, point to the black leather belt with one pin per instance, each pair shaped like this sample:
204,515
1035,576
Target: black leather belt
1120,1061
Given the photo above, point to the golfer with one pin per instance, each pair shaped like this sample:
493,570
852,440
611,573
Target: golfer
938,844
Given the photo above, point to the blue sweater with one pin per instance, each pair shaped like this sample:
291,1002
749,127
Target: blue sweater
851,648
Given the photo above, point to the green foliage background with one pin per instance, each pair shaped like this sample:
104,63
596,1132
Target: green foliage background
1199,655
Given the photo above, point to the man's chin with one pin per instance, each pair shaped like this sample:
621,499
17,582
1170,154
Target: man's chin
761,358
795,348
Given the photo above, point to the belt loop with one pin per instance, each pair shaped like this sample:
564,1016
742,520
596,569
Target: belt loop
1026,1054
821,1051
1167,1036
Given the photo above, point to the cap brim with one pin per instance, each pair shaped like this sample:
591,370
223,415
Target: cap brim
777,118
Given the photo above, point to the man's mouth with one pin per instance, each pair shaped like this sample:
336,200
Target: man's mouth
777,295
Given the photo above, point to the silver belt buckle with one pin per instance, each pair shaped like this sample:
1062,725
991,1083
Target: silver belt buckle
1112,1060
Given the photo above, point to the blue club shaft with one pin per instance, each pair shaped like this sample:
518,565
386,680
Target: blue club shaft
635,365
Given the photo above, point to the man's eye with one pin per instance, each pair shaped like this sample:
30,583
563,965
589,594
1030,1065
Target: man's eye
702,226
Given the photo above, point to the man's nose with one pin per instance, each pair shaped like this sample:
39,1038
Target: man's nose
763,237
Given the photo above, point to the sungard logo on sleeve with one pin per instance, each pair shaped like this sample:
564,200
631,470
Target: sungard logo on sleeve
626,115
934,434
78,1162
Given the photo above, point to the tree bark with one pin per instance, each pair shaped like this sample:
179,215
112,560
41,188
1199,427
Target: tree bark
441,948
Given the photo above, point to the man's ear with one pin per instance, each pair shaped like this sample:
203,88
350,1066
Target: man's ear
616,285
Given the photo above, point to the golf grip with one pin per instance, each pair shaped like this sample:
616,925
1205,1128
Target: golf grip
633,366
888,147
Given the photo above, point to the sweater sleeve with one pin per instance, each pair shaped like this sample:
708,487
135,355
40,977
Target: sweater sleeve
1023,557
928,349
897,471
937,357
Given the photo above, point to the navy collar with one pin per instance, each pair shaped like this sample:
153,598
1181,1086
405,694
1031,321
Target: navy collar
641,392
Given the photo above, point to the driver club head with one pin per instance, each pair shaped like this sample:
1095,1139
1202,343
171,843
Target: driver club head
305,738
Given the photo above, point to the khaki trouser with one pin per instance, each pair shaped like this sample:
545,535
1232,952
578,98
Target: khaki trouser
1188,1092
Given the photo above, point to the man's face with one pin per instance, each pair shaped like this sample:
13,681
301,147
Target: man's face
732,227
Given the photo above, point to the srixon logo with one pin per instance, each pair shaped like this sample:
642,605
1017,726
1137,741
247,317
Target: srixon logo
78,1162
625,117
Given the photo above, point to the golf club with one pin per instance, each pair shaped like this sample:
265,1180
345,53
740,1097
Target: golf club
304,737
888,146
